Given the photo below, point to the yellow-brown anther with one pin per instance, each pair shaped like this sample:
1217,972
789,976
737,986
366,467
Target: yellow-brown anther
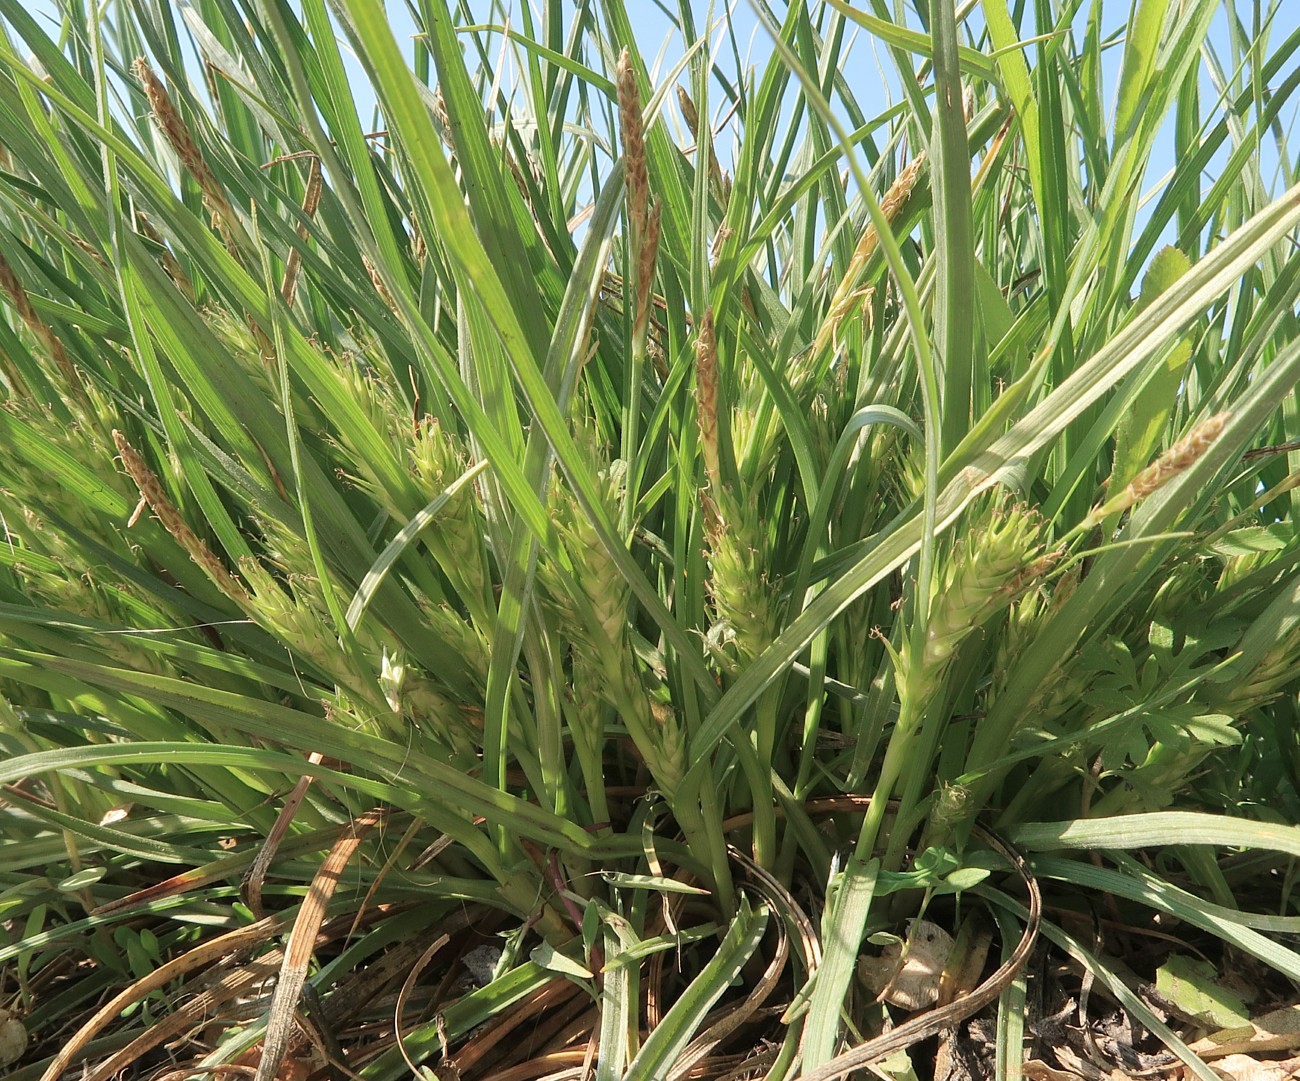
635,175
179,138
151,490
706,397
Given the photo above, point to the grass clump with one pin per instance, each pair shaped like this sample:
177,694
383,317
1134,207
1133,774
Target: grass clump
556,593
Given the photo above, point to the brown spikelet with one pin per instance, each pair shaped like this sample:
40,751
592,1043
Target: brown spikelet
17,294
848,293
17,384
90,250
18,297
418,249
635,175
51,342
893,202
151,490
706,397
900,190
1178,457
178,137
517,175
1172,462
645,272
440,115
721,182
378,282
265,346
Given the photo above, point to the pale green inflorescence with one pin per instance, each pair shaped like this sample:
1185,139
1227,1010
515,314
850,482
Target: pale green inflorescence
590,599
745,598
437,461
417,699
1000,555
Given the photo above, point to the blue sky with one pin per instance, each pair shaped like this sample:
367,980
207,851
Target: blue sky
873,80
872,75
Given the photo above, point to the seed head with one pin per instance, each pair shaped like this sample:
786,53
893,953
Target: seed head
169,262
167,513
634,160
645,273
181,140
706,397
1177,458
999,558
310,203
689,112
745,599
376,279
51,342
848,293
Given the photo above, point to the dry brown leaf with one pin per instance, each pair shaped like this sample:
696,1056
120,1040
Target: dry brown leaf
908,974
1079,1066
1246,1068
302,942
1276,1031
232,943
296,1066
13,1038
1038,1070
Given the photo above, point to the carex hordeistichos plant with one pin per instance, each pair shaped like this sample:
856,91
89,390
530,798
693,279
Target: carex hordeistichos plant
649,529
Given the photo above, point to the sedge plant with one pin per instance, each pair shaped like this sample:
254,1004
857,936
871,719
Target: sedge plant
647,527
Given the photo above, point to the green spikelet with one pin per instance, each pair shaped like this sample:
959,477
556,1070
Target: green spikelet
10,722
992,564
27,479
1058,690
999,557
592,597
464,639
589,600
745,616
240,348
416,699
437,461
63,582
586,709
746,609
1277,671
1024,618
389,417
671,765
295,611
